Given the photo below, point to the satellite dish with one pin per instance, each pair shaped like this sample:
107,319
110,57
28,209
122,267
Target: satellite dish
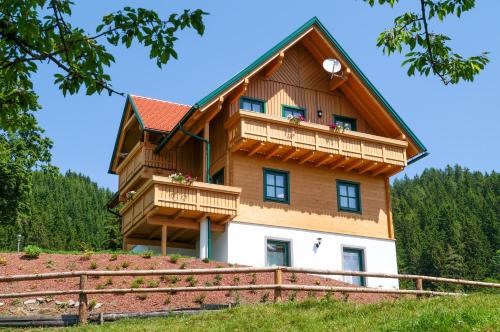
332,66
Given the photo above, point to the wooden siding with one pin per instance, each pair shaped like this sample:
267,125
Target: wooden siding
162,192
302,82
261,128
313,199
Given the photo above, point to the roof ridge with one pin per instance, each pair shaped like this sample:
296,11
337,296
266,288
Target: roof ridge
163,101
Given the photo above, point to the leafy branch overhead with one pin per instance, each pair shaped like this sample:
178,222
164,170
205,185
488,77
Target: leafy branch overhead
429,52
35,32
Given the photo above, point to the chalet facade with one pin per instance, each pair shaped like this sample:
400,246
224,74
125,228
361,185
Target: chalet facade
292,166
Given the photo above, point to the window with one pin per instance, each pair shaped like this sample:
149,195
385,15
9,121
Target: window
348,197
293,111
345,122
277,253
218,178
276,186
353,260
253,105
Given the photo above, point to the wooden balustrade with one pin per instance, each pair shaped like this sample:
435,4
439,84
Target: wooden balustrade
218,201
314,143
142,155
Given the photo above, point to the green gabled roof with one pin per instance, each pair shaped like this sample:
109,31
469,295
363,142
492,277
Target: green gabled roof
128,101
277,48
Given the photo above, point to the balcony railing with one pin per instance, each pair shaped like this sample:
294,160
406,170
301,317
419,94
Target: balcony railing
313,143
160,196
142,156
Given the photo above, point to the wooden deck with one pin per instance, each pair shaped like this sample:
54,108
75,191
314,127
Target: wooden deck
162,201
314,144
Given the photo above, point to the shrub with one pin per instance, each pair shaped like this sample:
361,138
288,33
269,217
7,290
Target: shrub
208,283
99,286
168,300
173,280
253,281
236,280
200,299
293,278
108,282
153,283
191,280
147,254
137,282
217,279
205,260
174,258
293,296
87,255
265,297
125,264
32,251
317,282
93,265
113,257
183,265
71,266
3,261
92,304
142,297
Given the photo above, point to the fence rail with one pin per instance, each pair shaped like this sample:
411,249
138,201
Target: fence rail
277,286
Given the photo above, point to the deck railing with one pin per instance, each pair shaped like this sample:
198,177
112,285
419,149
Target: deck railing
164,193
142,155
277,286
252,126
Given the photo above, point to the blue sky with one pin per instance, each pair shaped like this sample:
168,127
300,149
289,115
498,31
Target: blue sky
458,124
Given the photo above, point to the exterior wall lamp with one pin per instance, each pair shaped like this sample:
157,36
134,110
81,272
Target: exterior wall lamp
320,113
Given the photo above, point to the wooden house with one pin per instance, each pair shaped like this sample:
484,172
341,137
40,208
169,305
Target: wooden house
292,165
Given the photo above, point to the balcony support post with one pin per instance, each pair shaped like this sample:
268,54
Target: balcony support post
205,238
164,240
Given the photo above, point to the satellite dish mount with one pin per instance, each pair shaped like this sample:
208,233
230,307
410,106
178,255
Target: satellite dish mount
334,67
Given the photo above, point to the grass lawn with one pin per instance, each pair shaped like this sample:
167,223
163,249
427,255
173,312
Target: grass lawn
479,312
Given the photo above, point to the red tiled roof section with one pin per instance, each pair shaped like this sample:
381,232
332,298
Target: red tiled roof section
158,114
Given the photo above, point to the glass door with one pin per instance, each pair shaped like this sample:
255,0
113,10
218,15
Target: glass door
353,260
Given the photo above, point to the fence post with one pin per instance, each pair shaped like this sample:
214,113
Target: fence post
278,279
418,284
83,303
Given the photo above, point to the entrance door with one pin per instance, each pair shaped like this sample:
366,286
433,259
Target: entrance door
353,260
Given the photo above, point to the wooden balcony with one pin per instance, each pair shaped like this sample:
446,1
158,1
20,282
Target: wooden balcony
314,144
142,156
162,201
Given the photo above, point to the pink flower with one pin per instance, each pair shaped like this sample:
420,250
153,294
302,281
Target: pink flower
333,125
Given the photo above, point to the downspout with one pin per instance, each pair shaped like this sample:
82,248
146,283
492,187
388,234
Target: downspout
207,180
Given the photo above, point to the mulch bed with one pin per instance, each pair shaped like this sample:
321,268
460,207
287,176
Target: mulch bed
16,264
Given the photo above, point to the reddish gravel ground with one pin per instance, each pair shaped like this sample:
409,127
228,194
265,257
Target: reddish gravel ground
16,264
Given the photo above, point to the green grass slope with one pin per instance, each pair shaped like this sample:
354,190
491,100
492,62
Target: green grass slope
479,312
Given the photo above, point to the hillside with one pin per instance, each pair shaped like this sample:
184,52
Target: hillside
447,223
471,313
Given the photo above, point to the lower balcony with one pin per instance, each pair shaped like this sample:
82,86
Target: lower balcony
314,144
162,202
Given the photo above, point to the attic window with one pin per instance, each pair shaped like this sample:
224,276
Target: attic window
344,122
253,105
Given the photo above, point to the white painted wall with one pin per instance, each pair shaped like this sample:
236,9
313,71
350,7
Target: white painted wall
246,245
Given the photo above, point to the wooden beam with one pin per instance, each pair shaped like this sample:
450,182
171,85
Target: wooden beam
178,234
238,145
274,151
177,215
129,123
368,167
381,170
256,148
180,223
164,240
202,217
307,157
226,220
274,65
340,162
336,81
394,170
292,153
238,92
324,160
354,165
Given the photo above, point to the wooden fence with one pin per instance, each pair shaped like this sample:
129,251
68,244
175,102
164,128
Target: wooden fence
277,286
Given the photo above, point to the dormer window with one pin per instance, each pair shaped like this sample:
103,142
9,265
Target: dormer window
292,111
345,122
253,105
